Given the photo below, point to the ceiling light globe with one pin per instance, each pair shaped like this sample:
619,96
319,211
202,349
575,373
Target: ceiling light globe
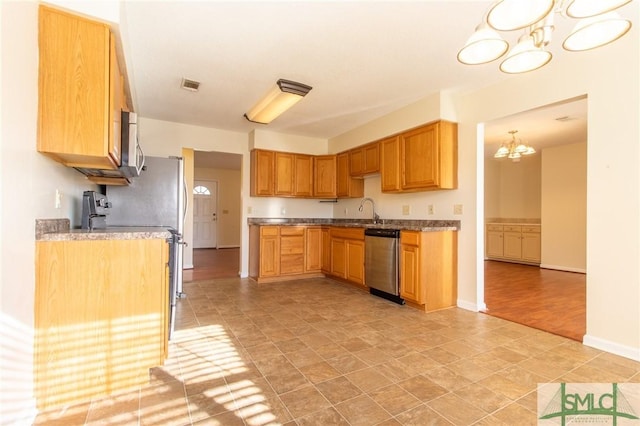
521,148
514,155
524,57
484,45
596,31
587,8
508,15
529,151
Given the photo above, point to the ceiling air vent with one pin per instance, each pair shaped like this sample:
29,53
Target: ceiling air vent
565,118
191,85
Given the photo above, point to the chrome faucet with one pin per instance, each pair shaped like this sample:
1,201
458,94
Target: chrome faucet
376,218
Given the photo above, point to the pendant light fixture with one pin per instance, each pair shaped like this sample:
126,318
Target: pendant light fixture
514,149
281,97
598,26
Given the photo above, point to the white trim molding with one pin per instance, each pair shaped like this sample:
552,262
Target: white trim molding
563,268
612,347
470,306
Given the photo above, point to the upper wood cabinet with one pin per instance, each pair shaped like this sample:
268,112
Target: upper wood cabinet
303,175
421,159
347,186
293,175
365,159
80,91
390,164
262,173
324,173
429,157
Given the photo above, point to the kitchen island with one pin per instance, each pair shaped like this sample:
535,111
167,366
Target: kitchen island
101,310
295,248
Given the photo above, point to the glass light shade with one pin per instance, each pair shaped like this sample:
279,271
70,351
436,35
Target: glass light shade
529,151
502,152
484,45
587,8
508,15
521,148
525,56
514,155
596,31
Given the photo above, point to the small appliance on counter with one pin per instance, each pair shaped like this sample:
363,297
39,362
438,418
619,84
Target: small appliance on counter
95,209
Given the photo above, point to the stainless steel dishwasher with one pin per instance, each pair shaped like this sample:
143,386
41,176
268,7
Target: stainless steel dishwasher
381,269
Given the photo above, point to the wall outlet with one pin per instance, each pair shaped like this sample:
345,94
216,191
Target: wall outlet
283,211
249,210
58,200
430,209
346,211
457,209
406,210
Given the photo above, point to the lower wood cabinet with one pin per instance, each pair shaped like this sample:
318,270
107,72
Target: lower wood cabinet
513,243
428,269
347,254
284,252
101,317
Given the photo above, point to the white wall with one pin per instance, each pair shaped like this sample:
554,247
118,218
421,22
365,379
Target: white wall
512,189
564,207
28,183
609,77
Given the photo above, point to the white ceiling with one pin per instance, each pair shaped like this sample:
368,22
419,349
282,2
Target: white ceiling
363,59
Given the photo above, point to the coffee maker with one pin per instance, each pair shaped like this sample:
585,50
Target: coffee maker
95,209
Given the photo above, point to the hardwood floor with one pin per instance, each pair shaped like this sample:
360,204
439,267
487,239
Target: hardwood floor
213,263
549,300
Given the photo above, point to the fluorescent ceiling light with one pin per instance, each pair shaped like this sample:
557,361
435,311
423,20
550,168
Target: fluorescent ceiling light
280,98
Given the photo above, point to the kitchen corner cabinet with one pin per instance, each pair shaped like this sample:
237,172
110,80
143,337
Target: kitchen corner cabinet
80,91
283,252
365,159
347,254
513,243
428,269
101,316
324,173
421,159
347,186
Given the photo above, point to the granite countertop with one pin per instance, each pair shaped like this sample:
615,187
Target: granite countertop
406,225
59,230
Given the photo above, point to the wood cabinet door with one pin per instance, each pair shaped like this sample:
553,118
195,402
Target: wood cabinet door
326,250
325,176
269,251
494,244
291,250
371,154
262,172
76,97
347,186
410,274
419,153
303,180
531,247
390,164
338,257
356,162
313,249
284,173
512,245
355,261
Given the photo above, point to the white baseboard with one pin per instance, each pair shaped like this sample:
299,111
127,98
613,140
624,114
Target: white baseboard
187,266
612,347
563,268
470,306
229,246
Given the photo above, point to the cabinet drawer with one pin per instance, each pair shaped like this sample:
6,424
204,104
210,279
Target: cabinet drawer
270,231
495,227
410,238
348,233
535,229
291,245
292,230
512,228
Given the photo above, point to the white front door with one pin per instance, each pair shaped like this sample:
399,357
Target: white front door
205,214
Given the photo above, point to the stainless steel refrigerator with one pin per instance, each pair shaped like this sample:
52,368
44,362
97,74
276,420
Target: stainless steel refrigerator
156,198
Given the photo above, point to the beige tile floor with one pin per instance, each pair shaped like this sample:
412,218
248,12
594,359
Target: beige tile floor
318,352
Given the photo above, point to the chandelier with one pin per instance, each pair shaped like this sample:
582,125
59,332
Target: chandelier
598,25
514,149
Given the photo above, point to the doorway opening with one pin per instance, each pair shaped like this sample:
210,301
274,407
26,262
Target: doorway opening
544,193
